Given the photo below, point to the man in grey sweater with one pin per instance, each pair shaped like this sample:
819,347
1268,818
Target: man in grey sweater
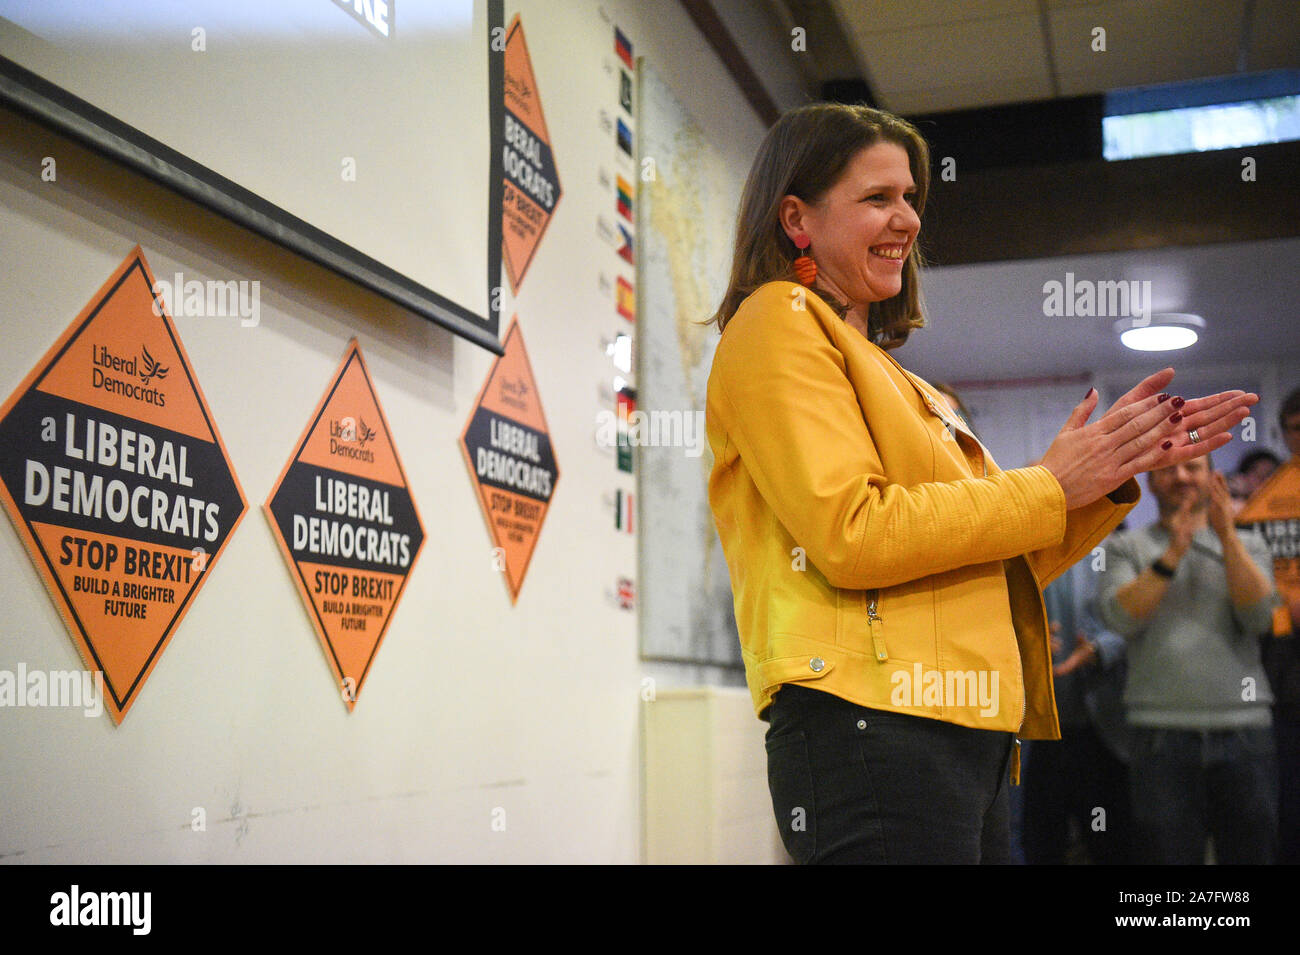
1191,594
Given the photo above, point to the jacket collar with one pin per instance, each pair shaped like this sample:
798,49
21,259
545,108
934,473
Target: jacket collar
937,406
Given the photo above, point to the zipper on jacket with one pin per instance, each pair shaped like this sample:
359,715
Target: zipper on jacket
873,621
984,460
1024,691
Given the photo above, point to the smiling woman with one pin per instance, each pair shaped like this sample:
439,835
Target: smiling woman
862,228
858,203
881,563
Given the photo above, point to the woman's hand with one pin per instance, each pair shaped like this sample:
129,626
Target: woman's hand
1142,431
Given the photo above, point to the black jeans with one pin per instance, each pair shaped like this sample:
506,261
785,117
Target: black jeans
857,785
1188,784
1286,732
1075,777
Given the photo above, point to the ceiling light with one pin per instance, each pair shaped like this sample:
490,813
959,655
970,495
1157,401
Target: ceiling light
1164,331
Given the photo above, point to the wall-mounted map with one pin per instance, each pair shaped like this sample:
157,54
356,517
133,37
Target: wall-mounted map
688,199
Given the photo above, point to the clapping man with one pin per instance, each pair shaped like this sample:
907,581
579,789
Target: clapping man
1191,594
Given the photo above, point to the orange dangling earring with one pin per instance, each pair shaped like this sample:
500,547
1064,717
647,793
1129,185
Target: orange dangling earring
804,267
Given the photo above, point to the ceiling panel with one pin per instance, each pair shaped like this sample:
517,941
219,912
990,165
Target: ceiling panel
1147,41
883,16
1274,41
1010,89
924,65
936,55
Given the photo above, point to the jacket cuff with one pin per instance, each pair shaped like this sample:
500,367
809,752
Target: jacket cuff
1126,493
1045,503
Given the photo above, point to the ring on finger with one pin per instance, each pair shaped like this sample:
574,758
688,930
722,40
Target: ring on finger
1193,436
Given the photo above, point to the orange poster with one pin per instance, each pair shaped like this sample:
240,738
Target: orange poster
117,480
508,449
532,184
1274,510
345,520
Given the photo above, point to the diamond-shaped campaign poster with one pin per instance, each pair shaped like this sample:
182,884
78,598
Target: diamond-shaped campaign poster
1274,511
508,449
344,517
532,183
117,480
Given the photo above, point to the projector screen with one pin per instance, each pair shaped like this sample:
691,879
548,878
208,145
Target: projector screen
363,134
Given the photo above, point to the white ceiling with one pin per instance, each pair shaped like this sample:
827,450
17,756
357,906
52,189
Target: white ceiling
925,56
986,321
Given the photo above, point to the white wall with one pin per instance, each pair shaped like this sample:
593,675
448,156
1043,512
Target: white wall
472,705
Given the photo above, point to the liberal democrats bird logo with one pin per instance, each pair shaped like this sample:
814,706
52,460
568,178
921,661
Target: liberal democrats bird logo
364,433
151,368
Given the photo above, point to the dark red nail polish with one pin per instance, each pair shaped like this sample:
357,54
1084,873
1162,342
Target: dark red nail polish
1167,445
1175,418
1164,396
1086,394
1179,402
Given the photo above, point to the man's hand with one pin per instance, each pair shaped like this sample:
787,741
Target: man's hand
1084,654
1221,512
1181,525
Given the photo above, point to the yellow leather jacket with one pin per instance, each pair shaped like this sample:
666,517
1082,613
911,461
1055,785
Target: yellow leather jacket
875,549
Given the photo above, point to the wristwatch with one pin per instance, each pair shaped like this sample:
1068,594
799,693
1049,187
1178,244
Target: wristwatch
1163,569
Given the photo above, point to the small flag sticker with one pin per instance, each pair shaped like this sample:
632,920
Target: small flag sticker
626,593
625,245
626,406
625,199
624,511
623,47
626,299
625,91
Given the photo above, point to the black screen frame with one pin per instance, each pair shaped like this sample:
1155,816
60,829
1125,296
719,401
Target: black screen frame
34,96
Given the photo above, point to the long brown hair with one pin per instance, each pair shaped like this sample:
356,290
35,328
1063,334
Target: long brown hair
804,154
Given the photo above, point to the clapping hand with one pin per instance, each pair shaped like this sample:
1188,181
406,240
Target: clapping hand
1221,513
1181,525
1144,430
1084,654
